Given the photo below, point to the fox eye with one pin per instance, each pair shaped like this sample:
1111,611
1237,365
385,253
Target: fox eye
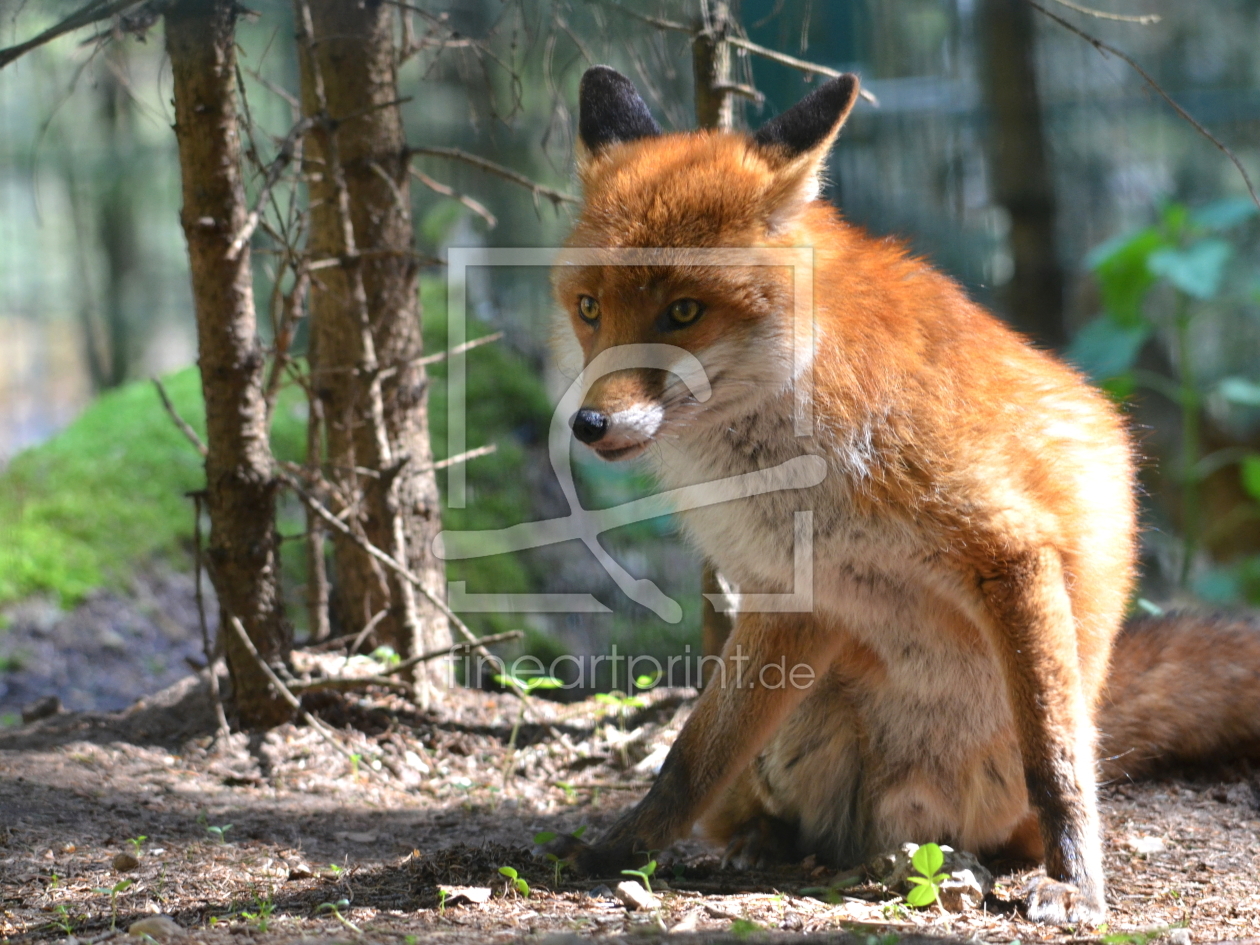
588,308
684,312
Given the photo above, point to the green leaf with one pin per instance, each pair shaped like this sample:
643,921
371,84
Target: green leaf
1224,214
545,836
928,859
1105,348
921,896
917,880
1120,265
581,830
508,872
1250,469
1239,390
1196,270
543,682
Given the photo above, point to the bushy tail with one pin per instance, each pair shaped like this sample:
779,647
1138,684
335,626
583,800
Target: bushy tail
1182,688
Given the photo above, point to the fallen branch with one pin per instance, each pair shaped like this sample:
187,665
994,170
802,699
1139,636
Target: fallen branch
394,565
180,422
287,695
453,649
490,167
349,684
1158,89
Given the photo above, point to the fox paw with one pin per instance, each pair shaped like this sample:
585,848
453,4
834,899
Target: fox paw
1056,903
759,843
606,857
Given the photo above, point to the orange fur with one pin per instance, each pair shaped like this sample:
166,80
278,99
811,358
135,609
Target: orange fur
974,538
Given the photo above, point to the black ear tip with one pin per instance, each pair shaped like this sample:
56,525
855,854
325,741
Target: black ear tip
809,121
610,109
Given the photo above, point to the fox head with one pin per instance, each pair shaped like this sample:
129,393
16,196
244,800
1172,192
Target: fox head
674,192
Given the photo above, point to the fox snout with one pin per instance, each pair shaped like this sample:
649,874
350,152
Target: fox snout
617,434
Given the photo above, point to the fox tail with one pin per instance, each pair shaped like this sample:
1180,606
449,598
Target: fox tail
1182,688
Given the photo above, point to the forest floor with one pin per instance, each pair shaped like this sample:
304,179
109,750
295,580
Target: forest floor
283,837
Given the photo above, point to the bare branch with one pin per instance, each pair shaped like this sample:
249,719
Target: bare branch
94,12
427,359
179,421
286,694
802,64
212,674
658,22
465,456
453,649
438,188
349,684
288,148
393,564
490,167
1158,89
1145,19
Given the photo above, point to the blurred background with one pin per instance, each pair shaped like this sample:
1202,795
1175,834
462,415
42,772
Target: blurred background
1045,176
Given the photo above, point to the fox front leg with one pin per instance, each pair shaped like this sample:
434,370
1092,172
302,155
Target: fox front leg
769,665
1035,633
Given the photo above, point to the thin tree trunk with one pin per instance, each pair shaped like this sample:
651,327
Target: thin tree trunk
715,108
1020,169
241,491
365,323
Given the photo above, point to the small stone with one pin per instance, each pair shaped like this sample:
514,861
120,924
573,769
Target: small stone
125,863
634,896
160,927
1145,846
961,892
458,895
1179,937
691,922
601,892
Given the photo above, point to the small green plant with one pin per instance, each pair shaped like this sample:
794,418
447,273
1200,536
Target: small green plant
1143,937
525,687
219,832
335,869
515,881
386,655
742,928
63,920
112,891
928,860
411,939
895,910
644,875
545,837
261,916
335,908
54,882
137,843
355,760
443,895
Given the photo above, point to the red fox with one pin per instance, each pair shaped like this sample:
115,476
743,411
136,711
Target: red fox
974,536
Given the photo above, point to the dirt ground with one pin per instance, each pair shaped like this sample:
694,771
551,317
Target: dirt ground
283,837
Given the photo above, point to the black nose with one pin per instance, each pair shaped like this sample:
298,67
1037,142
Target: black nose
588,425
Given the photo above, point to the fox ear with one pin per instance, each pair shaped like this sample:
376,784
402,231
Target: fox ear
610,110
798,140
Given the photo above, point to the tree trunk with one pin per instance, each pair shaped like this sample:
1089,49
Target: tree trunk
1019,165
715,108
241,491
365,324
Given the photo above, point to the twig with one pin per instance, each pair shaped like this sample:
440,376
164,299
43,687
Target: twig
288,148
490,167
287,695
368,627
92,13
400,569
1145,19
452,649
658,22
1158,89
802,64
464,456
350,683
215,696
427,359
180,422
439,188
